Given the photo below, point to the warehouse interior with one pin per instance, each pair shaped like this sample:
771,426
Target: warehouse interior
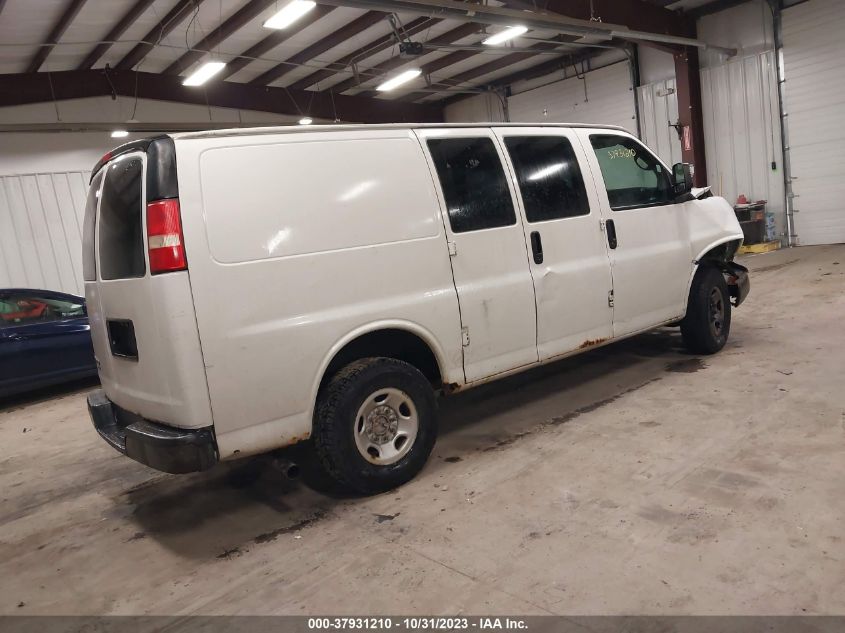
634,479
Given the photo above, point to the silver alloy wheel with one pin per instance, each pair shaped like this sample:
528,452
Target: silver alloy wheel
717,312
386,426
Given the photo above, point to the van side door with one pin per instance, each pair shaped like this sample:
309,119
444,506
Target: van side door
487,250
646,231
569,259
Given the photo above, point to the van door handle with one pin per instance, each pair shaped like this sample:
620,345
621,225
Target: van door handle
610,225
537,247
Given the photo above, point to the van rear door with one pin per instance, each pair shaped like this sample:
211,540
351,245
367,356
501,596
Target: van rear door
142,317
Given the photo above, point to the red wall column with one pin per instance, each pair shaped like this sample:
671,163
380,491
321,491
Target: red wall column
688,85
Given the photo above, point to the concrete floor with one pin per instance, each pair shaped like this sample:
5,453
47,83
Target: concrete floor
634,479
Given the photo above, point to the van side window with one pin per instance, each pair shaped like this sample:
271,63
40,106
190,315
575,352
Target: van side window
474,184
632,175
549,177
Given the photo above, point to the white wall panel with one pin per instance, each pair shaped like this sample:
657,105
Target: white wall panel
602,96
813,53
658,107
742,131
41,230
478,108
655,65
746,27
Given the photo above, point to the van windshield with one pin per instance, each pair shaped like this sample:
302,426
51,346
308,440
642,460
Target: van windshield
121,239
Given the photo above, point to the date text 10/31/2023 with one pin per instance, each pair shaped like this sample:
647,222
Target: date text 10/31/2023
416,623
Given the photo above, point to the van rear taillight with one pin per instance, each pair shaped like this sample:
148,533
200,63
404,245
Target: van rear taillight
164,237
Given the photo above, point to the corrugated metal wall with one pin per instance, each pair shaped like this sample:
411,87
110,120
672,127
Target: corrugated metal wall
41,230
602,96
742,131
658,107
483,107
814,69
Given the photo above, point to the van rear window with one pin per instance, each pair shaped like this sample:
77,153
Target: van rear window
121,237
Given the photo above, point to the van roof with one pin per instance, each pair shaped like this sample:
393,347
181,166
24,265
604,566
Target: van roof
298,129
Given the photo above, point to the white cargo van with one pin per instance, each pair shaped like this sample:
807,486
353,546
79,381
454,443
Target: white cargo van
251,289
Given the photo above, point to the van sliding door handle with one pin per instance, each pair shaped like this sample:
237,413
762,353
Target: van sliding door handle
537,247
611,233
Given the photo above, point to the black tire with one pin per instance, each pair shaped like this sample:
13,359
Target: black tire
707,324
335,424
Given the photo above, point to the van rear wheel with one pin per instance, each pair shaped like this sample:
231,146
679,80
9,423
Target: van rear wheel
706,326
375,424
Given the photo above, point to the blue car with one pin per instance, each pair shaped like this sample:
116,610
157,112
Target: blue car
45,339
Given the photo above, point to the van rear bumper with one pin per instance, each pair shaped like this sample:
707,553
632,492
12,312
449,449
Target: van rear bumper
158,446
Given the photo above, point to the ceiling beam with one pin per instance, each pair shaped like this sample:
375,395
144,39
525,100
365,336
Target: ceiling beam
540,70
444,62
479,71
546,68
272,41
713,7
432,67
27,88
359,24
637,15
458,33
112,36
71,10
174,17
238,20
482,13
371,48
663,29
447,60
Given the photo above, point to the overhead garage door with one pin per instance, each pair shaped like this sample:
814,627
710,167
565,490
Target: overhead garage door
813,50
602,96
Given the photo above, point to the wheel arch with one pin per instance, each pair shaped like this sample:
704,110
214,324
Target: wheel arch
719,251
402,340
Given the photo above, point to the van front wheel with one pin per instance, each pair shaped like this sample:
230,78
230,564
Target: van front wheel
375,424
706,326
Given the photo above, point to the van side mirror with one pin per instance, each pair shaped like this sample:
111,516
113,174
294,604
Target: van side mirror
682,178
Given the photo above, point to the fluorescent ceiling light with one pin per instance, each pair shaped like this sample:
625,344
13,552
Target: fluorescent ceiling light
400,79
503,36
306,120
290,14
119,134
204,73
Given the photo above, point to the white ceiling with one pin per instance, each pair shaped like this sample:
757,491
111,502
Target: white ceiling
26,23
